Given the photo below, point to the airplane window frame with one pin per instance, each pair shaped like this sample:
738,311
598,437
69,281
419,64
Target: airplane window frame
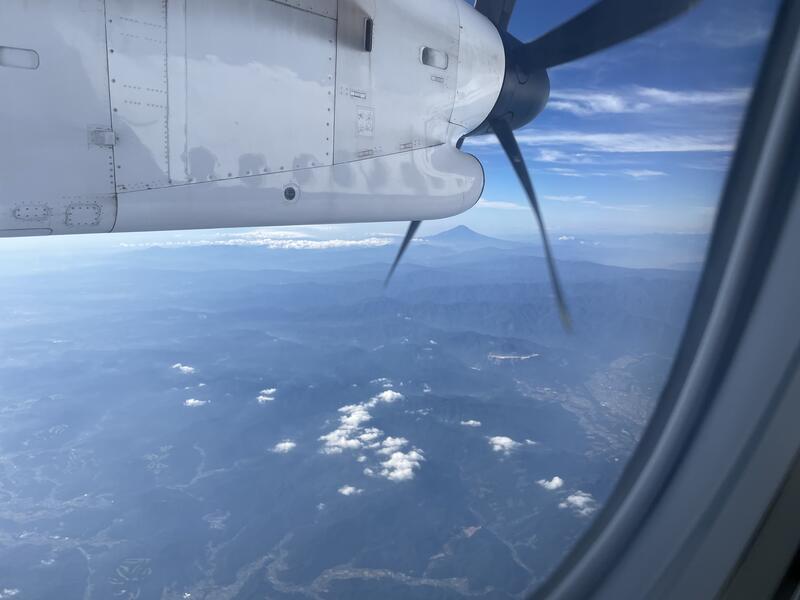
751,225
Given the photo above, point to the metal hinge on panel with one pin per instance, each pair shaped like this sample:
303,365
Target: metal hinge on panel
102,136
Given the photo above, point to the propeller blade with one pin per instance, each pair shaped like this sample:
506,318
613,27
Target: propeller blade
497,11
505,134
412,230
605,24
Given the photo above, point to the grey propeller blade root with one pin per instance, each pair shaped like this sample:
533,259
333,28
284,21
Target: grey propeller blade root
497,11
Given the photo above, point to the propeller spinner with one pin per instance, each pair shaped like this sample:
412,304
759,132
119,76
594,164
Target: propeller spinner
526,87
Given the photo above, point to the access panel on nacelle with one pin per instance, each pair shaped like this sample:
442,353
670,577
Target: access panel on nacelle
208,90
388,99
57,170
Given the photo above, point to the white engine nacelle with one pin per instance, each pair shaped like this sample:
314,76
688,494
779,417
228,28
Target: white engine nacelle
138,115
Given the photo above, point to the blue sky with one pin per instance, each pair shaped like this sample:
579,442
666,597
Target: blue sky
634,140
638,138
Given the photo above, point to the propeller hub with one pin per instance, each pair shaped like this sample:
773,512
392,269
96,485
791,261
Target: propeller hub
524,94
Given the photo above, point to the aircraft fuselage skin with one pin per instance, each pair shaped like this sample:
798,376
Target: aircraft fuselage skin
141,115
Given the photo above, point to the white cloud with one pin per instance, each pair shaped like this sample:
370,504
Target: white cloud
501,443
272,244
588,102
370,437
382,381
385,397
582,503
194,403
499,205
620,142
633,142
565,198
284,447
401,465
392,444
531,442
184,369
267,234
642,173
338,441
566,172
349,490
471,423
552,484
354,415
352,435
267,395
550,155
9,592
583,103
727,97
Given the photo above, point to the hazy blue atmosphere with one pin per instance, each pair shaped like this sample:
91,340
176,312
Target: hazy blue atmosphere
248,414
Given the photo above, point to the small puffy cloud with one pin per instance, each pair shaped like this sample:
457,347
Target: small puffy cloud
501,443
184,369
551,484
531,442
385,397
582,503
9,592
339,440
370,437
362,459
382,381
194,403
349,490
471,423
354,415
284,447
350,435
401,465
267,395
391,445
